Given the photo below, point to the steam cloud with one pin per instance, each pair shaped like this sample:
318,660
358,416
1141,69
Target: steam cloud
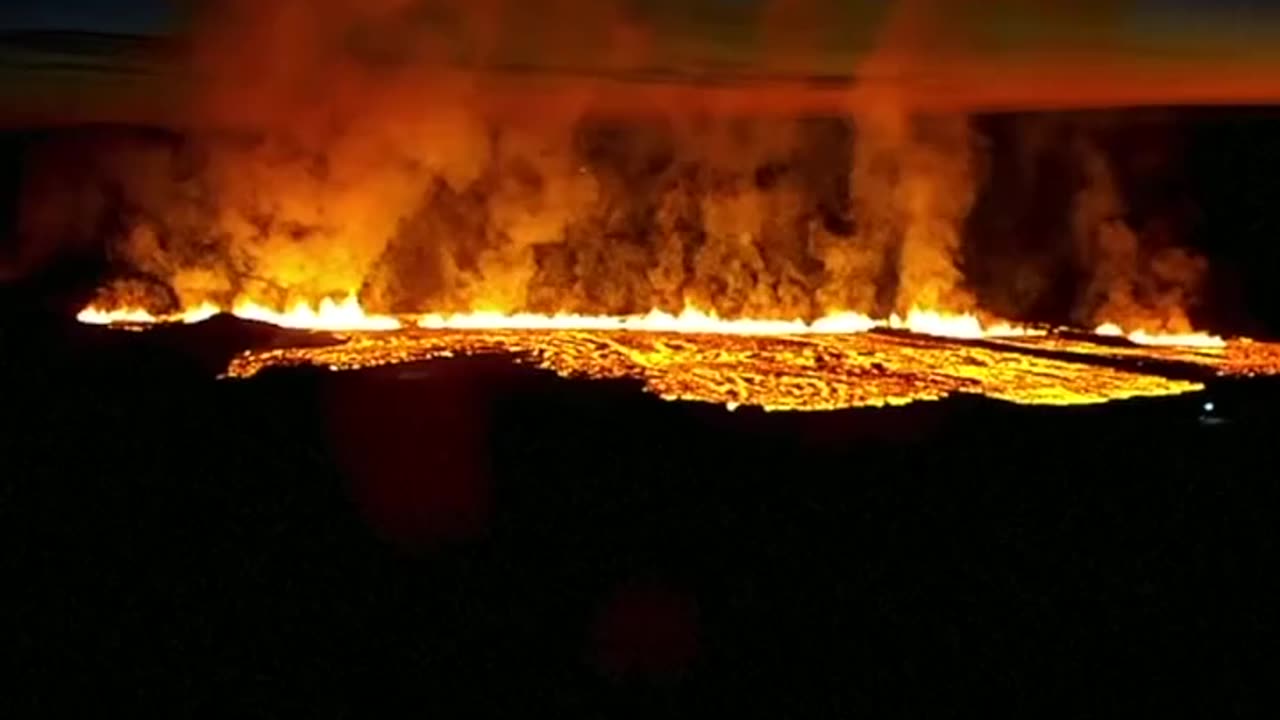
393,148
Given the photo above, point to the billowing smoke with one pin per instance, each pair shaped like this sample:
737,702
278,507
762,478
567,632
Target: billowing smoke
1128,281
440,155
914,179
385,151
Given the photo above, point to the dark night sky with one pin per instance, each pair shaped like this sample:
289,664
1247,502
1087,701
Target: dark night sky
125,16
155,15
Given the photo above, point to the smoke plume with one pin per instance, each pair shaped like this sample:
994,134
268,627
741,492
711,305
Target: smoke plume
384,152
1127,280
439,155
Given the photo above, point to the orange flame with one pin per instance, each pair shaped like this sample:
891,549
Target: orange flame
121,316
328,315
1142,337
690,320
138,316
963,327
349,315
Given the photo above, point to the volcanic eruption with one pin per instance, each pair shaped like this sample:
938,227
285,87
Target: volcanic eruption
406,176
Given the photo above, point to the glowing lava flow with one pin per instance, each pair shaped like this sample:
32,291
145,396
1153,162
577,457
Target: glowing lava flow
124,316
831,363
690,321
960,327
328,315
348,315
1142,337
137,316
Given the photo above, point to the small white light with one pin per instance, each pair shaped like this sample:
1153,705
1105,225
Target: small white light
1208,407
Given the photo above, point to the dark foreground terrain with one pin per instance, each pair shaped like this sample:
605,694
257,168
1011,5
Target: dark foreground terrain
459,536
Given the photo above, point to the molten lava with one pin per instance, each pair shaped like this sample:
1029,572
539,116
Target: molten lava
346,315
774,372
838,361
349,315
328,315
1142,337
138,316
